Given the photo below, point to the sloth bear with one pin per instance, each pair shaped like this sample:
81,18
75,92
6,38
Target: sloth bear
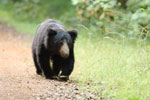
53,44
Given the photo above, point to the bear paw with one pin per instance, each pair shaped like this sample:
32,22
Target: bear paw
52,77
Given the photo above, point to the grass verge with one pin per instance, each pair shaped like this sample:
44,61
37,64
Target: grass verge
117,71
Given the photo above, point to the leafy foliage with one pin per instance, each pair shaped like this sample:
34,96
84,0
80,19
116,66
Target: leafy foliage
116,17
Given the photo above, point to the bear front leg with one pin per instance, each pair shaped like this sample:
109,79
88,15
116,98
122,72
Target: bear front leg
45,66
56,67
67,68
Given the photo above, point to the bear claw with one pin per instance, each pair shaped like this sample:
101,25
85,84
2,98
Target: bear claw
63,78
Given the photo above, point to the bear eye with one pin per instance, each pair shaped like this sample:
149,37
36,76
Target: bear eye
69,44
61,42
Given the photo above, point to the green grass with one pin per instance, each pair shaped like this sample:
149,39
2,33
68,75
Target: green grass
116,70
120,71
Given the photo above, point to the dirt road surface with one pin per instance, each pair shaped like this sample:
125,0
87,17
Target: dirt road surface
18,80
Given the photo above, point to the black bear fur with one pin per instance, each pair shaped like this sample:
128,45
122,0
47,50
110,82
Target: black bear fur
47,47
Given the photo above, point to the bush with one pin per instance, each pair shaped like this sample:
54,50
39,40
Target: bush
121,18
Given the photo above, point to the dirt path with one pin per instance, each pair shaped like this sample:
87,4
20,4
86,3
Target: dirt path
18,80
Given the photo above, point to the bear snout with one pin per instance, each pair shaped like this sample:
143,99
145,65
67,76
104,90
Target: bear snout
64,50
65,55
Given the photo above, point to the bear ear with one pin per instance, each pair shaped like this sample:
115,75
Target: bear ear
73,34
51,32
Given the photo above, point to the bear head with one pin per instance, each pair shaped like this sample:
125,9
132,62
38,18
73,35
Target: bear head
61,43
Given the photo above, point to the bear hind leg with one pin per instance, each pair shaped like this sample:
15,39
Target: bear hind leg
38,69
